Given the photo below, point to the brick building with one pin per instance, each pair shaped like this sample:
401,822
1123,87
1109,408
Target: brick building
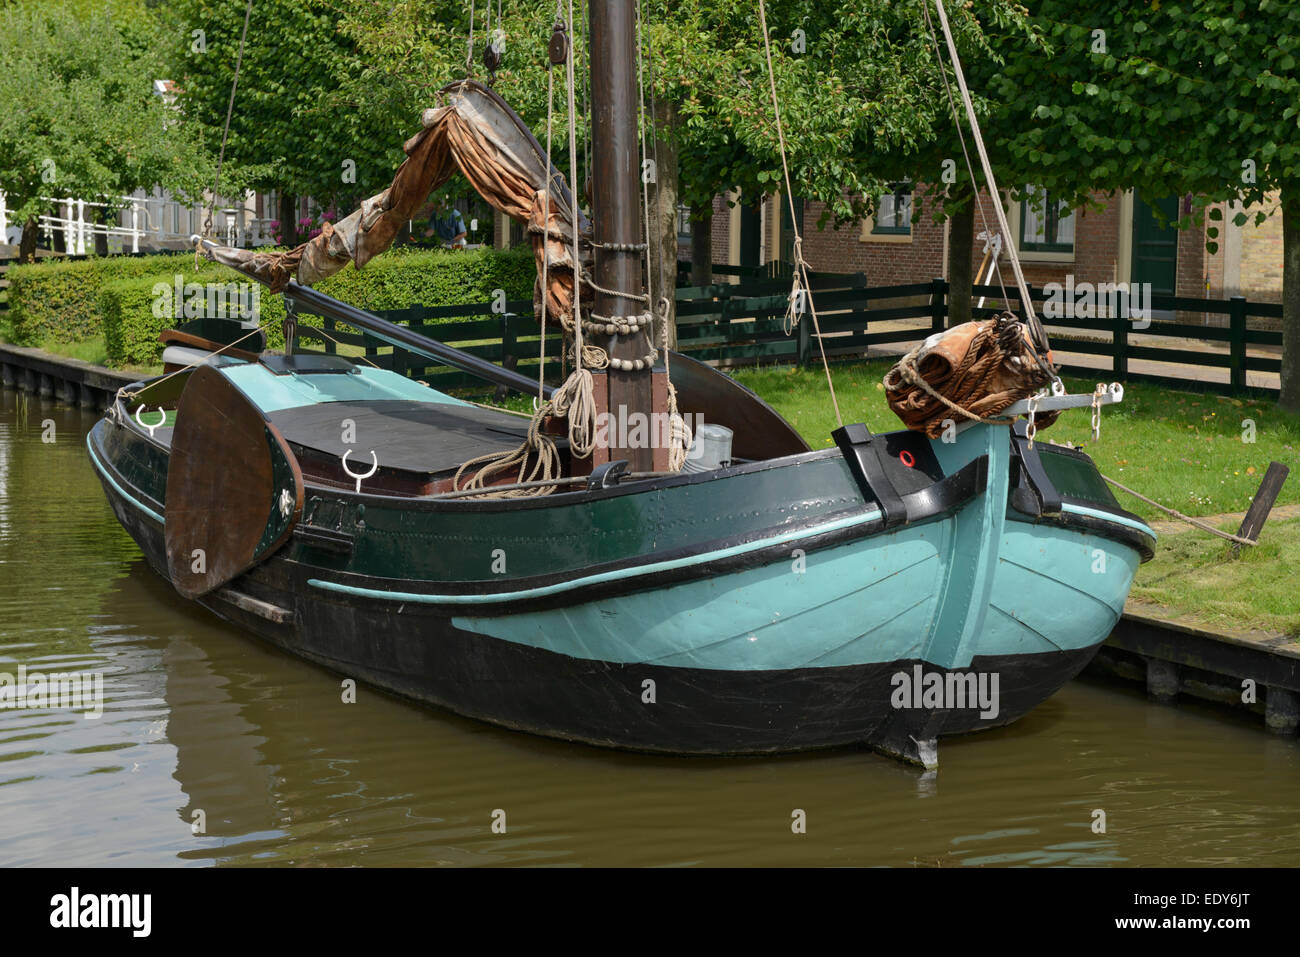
1123,242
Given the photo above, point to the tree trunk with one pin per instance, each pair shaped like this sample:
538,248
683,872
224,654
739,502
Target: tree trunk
288,214
27,245
702,249
1290,396
663,226
961,240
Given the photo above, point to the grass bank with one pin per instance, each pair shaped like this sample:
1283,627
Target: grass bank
1200,453
1194,578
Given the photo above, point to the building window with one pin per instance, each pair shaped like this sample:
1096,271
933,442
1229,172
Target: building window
1046,224
894,212
683,223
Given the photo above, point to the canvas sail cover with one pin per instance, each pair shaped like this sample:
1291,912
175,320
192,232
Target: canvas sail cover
478,135
982,367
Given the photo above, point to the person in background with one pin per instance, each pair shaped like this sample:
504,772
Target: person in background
447,224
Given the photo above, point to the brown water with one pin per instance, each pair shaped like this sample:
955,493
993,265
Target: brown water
199,716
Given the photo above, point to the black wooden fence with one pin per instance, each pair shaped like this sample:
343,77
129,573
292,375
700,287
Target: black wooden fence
510,338
1220,340
4,285
745,323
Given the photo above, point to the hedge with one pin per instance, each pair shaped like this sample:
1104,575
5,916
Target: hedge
58,301
394,281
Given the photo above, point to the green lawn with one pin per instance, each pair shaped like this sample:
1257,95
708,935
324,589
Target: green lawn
89,350
1183,449
1194,578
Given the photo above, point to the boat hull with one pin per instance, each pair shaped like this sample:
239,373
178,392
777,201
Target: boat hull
814,639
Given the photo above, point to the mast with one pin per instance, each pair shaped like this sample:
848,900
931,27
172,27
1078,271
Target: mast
616,225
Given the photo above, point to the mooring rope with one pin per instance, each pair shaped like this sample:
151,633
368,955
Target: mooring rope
124,393
1194,522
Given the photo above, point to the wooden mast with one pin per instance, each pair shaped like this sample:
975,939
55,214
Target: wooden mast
616,226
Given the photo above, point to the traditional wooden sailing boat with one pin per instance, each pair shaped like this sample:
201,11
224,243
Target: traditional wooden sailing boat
545,578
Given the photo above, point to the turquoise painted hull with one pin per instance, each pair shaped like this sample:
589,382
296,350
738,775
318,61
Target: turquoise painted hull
937,593
863,603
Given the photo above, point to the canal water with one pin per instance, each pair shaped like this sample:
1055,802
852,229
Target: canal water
198,717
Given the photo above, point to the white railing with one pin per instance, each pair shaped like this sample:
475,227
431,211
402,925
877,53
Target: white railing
138,218
77,230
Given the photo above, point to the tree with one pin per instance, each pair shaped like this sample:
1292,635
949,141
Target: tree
1169,99
80,117
288,129
861,97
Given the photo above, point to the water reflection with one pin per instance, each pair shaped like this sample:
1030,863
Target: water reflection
199,717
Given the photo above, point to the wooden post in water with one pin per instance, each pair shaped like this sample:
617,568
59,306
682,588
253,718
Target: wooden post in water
615,187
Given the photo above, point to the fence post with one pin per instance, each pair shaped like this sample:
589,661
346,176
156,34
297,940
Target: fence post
1119,344
69,235
1237,343
805,340
416,325
938,305
290,326
81,227
509,359
509,343
331,347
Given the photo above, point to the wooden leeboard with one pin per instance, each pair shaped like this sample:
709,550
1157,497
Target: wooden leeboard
760,431
234,489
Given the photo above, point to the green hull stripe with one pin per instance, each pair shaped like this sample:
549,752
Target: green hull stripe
120,491
616,575
1109,517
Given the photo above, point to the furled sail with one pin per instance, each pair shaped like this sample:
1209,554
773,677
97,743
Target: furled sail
969,372
477,134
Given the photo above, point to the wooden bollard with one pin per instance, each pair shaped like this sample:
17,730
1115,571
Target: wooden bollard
1261,504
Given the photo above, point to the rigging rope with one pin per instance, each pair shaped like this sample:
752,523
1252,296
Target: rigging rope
961,137
1039,333
124,393
575,400
225,133
801,267
469,53
546,224
679,437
